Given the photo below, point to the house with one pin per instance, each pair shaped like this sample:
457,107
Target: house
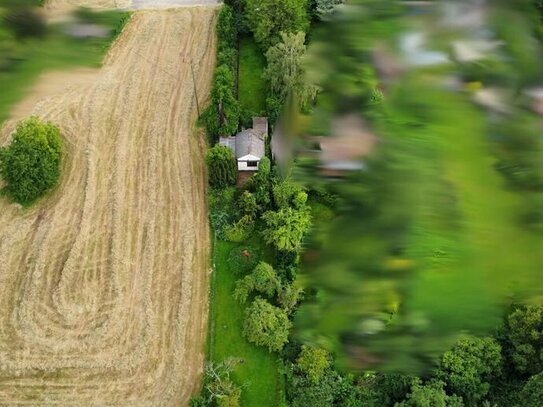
249,145
535,96
344,149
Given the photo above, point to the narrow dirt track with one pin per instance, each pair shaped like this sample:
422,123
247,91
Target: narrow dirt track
103,296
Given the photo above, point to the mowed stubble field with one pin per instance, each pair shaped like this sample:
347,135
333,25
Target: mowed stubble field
104,282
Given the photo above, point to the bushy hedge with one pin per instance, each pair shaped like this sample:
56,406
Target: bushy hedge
222,166
30,165
221,118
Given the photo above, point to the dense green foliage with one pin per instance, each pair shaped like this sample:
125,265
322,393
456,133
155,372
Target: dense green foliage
266,325
221,117
286,228
268,18
523,336
222,166
263,280
284,71
30,165
469,366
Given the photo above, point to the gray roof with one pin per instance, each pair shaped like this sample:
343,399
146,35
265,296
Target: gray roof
250,141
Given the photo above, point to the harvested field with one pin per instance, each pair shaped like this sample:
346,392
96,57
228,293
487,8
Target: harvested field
105,281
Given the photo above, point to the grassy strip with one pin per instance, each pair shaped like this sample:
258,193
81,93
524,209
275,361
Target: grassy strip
259,369
252,88
55,51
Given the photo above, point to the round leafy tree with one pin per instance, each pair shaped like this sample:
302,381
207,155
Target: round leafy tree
30,165
222,166
266,325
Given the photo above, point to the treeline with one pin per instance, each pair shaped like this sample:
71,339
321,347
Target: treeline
279,27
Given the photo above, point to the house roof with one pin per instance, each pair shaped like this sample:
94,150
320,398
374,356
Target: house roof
250,142
349,142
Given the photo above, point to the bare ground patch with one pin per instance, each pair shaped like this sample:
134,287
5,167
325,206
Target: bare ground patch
104,283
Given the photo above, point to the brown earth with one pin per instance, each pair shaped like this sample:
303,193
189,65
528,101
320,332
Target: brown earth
104,282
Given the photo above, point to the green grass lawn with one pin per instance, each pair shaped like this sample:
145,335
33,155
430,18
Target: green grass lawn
259,370
251,86
470,267
54,52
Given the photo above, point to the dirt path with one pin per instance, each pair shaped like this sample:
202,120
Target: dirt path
104,283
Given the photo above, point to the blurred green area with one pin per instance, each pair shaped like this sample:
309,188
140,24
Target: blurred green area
26,52
431,240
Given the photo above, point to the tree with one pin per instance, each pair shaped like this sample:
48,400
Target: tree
313,362
532,392
289,296
287,193
266,325
268,18
241,230
469,367
226,37
429,395
222,166
222,115
263,280
30,165
322,8
219,387
247,203
286,228
284,70
524,339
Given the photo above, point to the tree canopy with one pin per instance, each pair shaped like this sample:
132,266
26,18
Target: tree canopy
286,228
222,166
222,115
469,366
30,165
268,18
284,71
313,362
266,325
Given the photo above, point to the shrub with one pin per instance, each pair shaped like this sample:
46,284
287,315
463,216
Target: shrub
241,230
243,259
222,166
30,165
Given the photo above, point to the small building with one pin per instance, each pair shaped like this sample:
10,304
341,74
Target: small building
535,96
349,142
249,145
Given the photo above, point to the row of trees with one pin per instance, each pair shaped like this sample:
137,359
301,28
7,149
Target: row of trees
504,370
221,118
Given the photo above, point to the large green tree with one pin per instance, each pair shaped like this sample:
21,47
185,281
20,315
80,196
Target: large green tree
30,165
470,366
286,228
285,72
263,280
532,392
268,18
222,166
266,325
524,339
313,362
430,395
